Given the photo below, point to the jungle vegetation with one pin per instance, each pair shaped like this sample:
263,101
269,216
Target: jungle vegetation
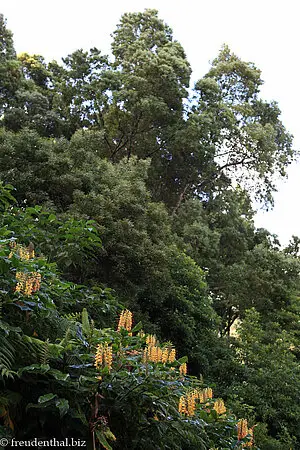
128,250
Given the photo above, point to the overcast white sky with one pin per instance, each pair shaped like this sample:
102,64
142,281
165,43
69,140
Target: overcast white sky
265,32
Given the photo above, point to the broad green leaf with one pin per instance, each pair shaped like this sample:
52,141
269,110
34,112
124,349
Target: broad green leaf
63,405
137,327
46,398
102,439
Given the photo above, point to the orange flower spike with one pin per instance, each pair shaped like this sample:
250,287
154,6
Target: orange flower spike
20,276
182,405
172,355
122,319
19,287
24,253
195,394
191,404
125,320
99,356
13,246
201,397
208,393
153,354
183,369
148,353
159,354
108,357
251,442
151,340
28,287
219,406
165,355
242,429
145,355
128,320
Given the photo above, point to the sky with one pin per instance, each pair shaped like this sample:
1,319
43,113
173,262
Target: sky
265,32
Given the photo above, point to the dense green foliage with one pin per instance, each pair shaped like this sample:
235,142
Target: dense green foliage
136,191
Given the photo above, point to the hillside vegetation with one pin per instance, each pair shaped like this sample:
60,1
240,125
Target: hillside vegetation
140,306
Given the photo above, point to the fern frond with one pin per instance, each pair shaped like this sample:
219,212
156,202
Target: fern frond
73,317
68,342
44,353
33,347
72,360
7,357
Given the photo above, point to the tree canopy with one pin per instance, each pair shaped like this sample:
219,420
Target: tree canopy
135,190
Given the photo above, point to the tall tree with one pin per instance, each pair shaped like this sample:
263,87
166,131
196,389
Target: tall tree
250,143
10,73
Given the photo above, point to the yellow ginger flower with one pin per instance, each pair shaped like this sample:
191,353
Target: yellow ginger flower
153,354
205,395
201,397
36,281
172,355
125,320
158,354
196,394
28,287
183,369
13,246
208,393
165,355
149,353
99,356
19,287
191,404
151,340
103,356
219,406
108,357
242,429
23,252
187,403
251,442
28,282
121,323
182,405
145,355
21,276
129,320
